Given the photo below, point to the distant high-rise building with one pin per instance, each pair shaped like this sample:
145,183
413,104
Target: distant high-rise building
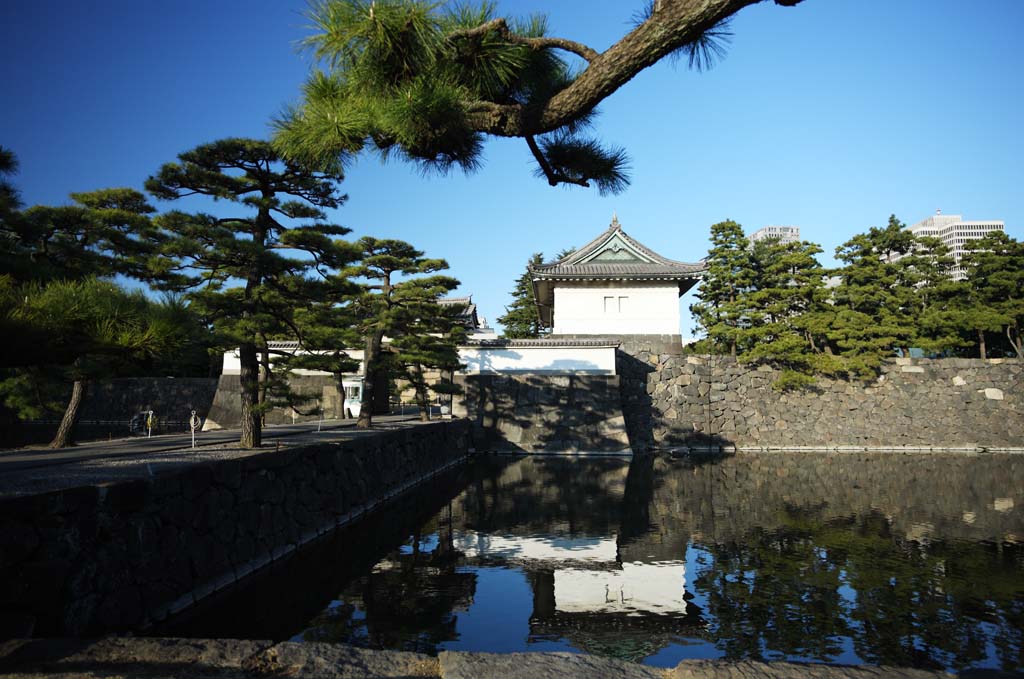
953,231
784,234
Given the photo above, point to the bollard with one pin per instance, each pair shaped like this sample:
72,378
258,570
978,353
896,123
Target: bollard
193,423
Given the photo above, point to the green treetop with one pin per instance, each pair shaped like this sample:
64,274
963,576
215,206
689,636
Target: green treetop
105,233
392,293
521,320
873,298
429,341
995,278
721,311
782,307
248,273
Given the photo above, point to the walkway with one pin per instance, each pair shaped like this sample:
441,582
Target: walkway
37,470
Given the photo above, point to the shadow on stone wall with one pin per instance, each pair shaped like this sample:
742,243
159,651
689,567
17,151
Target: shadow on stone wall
537,413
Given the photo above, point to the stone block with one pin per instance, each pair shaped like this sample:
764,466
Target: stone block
993,394
959,381
459,665
911,368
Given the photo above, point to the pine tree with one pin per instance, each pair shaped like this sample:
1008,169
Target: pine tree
238,269
429,342
995,278
327,333
722,311
104,233
936,303
392,292
101,330
786,294
521,320
873,298
428,82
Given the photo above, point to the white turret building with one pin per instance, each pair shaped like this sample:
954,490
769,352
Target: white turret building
612,286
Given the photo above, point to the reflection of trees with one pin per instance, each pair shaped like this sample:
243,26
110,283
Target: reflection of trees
935,604
408,601
544,495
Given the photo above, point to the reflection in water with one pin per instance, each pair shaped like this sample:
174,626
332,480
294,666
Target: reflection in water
910,560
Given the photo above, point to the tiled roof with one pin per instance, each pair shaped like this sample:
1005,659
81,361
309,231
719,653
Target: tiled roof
545,342
638,261
468,314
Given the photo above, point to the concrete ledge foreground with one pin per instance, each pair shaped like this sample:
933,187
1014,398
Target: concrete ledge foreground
226,658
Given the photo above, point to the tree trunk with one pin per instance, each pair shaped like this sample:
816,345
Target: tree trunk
1015,339
252,430
340,378
263,361
66,431
371,358
981,343
422,398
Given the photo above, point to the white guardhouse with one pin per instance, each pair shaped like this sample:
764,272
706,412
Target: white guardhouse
612,286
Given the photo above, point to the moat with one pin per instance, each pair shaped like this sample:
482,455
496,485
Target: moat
886,559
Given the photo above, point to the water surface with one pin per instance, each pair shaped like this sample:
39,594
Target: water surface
909,560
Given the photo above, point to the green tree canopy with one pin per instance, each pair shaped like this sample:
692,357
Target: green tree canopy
105,233
248,273
95,330
429,341
995,279
782,307
873,298
430,81
393,292
521,320
721,310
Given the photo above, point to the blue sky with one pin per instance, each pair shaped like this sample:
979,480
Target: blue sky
830,115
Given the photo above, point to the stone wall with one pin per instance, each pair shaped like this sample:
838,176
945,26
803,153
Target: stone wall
952,403
322,390
535,413
172,399
110,404
121,556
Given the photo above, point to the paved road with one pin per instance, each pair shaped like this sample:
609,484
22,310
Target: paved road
28,458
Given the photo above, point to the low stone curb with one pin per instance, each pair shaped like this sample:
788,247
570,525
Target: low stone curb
234,659
967,450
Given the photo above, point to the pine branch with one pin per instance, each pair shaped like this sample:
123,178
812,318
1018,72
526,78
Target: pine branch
500,26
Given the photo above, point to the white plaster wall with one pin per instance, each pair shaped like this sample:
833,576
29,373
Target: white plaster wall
587,360
645,309
233,363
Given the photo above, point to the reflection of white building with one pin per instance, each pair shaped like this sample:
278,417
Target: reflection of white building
954,232
588,577
635,589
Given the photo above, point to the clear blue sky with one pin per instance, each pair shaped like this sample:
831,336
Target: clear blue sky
830,116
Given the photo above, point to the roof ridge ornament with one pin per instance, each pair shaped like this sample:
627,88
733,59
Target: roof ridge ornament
615,221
